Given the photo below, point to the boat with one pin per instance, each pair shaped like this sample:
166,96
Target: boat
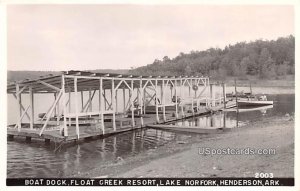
254,108
254,102
188,129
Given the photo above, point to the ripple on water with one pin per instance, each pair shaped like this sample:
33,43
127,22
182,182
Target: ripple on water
34,160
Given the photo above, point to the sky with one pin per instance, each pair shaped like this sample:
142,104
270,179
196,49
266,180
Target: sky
87,37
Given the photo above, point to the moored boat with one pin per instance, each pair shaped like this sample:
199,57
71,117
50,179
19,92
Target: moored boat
254,102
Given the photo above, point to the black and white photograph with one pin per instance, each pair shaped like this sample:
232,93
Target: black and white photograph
159,94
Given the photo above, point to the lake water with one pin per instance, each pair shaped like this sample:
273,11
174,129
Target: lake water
38,160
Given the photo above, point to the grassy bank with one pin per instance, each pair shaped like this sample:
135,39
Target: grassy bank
255,81
183,160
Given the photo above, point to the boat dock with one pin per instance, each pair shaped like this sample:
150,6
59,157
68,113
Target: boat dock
87,105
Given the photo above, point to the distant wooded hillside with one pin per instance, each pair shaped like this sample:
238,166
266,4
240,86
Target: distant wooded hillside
262,58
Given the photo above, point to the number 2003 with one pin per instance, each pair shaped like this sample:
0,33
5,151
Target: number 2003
263,175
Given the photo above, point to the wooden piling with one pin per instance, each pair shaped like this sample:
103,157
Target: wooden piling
10,137
47,141
28,139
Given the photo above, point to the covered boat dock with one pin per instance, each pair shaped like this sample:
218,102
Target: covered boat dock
88,104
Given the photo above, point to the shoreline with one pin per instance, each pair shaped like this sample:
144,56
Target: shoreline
183,160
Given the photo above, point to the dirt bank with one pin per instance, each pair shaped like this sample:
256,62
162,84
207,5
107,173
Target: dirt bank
183,159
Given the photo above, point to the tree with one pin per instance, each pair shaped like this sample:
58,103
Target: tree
243,70
258,58
188,71
282,69
268,69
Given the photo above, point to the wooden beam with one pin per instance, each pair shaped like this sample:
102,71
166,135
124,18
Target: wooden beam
182,103
90,107
81,92
113,100
88,102
118,85
163,101
104,94
141,102
64,111
116,100
21,90
124,100
22,116
132,105
19,110
76,107
22,107
176,102
156,102
50,112
48,85
32,107
101,105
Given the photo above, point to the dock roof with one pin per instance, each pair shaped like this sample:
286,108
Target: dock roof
85,81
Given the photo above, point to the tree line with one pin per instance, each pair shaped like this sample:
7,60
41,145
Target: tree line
266,59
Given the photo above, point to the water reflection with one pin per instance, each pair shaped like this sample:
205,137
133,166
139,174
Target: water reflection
34,160
218,120
229,119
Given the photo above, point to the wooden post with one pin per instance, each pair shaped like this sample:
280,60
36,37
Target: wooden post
176,102
101,105
193,106
55,111
52,109
236,99
224,96
141,102
116,98
225,91
156,102
182,112
132,105
189,90
76,107
224,119
69,108
32,107
235,93
171,91
113,101
124,100
65,128
144,100
212,95
237,106
163,100
90,100
19,110
81,100
105,98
